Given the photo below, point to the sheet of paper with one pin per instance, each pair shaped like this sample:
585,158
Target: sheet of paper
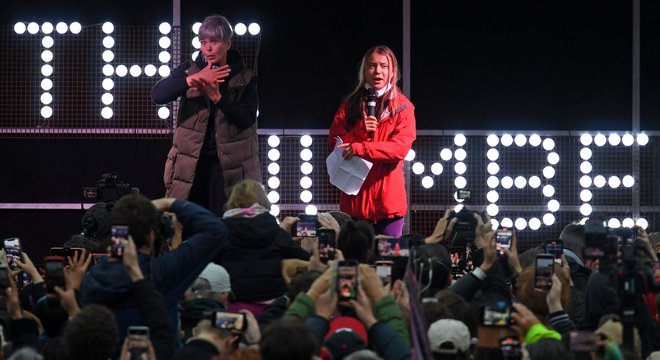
347,175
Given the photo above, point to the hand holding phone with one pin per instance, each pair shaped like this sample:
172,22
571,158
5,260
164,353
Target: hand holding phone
233,321
138,341
544,268
327,244
384,271
555,248
503,239
119,235
307,226
54,273
346,280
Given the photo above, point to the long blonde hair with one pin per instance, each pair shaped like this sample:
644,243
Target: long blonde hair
246,193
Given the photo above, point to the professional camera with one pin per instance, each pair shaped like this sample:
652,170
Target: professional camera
599,241
466,223
108,189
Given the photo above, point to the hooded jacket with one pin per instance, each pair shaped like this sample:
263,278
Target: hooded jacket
253,257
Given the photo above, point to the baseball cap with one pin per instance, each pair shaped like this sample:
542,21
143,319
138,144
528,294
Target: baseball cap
346,336
449,336
218,277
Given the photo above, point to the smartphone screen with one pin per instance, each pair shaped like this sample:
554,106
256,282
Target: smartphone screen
54,273
231,321
503,239
384,271
119,233
347,280
555,248
510,347
96,258
393,247
583,341
13,251
138,339
496,315
544,270
327,244
461,260
307,225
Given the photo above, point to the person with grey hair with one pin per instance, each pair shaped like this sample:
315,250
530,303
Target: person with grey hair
215,142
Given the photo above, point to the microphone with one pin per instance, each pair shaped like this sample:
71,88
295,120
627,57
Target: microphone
370,98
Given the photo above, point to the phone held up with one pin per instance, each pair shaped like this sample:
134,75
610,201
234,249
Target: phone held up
503,239
138,341
235,322
555,248
119,233
544,268
384,271
327,244
54,273
307,226
346,280
14,253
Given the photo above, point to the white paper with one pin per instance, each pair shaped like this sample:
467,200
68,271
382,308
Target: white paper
347,175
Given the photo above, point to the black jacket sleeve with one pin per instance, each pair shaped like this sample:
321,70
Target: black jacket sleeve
389,344
24,333
242,113
173,86
154,315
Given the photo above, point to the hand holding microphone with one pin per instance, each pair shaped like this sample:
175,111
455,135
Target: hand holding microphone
371,123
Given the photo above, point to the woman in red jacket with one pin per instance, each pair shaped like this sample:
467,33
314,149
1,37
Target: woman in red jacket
383,139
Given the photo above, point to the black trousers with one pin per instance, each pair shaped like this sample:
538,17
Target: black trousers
208,188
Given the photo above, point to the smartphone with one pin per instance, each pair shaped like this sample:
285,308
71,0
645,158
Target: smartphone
65,251
544,268
4,277
96,258
461,260
384,271
555,248
393,247
119,233
306,226
232,321
138,340
346,279
54,273
510,347
503,239
327,244
584,341
495,315
14,252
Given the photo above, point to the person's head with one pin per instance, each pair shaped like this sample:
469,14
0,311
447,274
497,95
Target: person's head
215,39
459,309
432,263
52,315
247,193
379,68
534,299
80,241
221,339
654,238
449,339
434,311
213,283
95,223
287,339
301,283
573,237
139,214
341,217
355,240
91,334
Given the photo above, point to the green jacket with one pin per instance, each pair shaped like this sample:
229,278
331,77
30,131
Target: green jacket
538,332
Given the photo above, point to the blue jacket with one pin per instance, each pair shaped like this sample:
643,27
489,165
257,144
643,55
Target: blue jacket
172,273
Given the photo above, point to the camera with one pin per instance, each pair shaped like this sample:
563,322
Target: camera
497,315
108,189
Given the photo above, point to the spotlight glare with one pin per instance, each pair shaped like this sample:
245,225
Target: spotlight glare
548,219
460,139
164,71
492,154
548,172
20,28
47,56
642,139
534,223
311,210
240,29
492,140
628,181
410,156
273,141
164,28
585,153
121,70
46,98
520,140
521,224
164,42
273,168
273,196
600,140
494,224
195,55
628,222
306,168
492,209
614,182
106,99
548,144
306,140
195,43
493,168
507,182
460,154
614,223
506,222
458,208
273,154
254,29
585,209
600,181
306,196
445,154
274,210
493,182
106,112
586,139
108,70
75,27
520,182
418,168
506,140
306,154
273,182
427,182
586,195
47,42
305,182
135,70
585,167
46,84
164,56
108,56
108,28
46,70
614,139
535,140
627,139
585,181
436,169
460,168
460,182
61,28
492,196
108,42
553,205
641,222
548,190
46,112
33,28
163,112
553,158
150,70
46,28
534,182
195,28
